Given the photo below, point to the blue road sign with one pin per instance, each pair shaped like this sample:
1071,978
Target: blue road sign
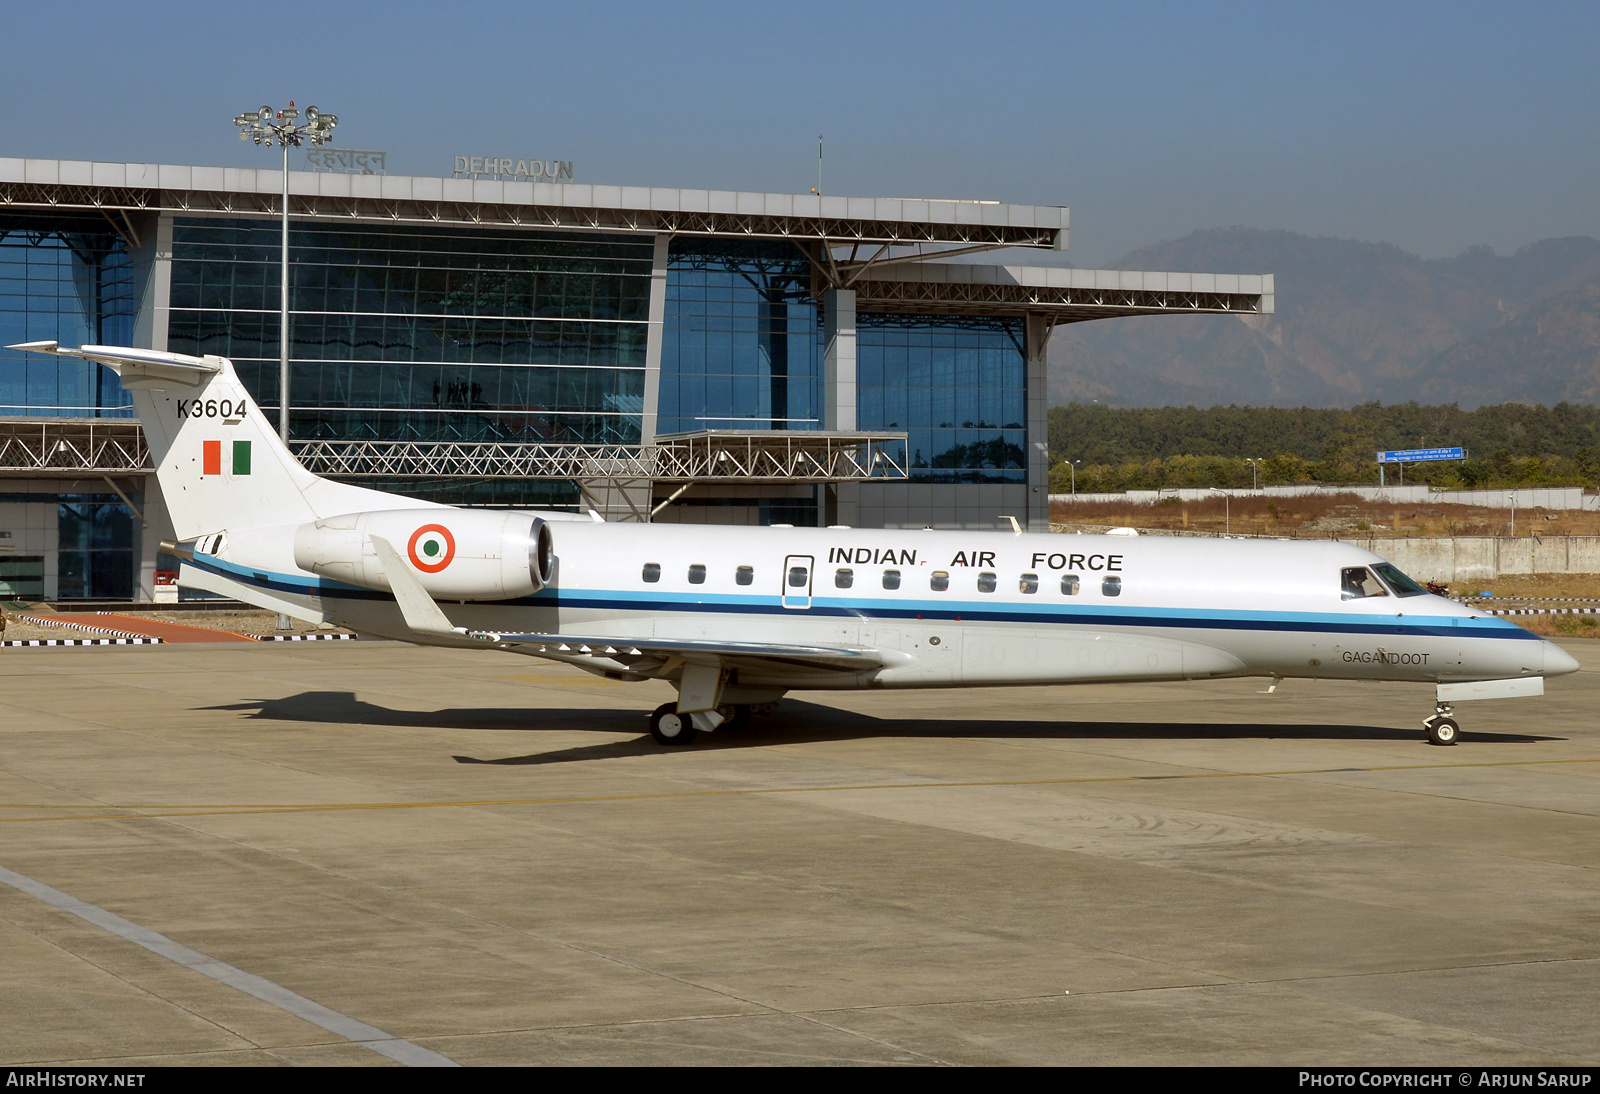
1422,455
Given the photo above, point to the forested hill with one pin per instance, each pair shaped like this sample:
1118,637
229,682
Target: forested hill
1354,322
1099,434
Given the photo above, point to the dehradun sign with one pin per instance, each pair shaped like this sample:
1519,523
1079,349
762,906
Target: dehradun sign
503,167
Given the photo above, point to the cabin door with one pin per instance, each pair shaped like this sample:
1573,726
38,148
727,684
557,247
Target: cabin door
797,581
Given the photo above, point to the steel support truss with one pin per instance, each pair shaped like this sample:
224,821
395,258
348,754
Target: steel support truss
73,446
793,456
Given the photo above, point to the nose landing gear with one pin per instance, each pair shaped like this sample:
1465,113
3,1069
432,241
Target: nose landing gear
1442,728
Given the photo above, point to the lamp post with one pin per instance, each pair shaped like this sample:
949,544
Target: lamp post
1252,462
1072,469
267,126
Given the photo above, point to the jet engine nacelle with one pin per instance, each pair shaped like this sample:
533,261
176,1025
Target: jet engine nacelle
459,554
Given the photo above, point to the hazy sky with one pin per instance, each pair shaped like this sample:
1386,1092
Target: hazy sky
1432,126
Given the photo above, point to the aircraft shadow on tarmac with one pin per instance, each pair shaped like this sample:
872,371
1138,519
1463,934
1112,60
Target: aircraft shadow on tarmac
798,722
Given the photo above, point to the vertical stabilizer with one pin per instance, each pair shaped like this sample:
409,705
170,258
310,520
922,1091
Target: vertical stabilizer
221,464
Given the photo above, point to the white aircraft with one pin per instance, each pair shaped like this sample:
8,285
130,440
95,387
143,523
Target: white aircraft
734,618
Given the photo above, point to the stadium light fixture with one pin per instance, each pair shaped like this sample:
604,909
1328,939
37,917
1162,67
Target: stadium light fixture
269,127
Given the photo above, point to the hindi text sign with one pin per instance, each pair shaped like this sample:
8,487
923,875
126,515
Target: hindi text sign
1422,455
346,161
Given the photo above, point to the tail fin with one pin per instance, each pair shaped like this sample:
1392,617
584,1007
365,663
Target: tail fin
220,463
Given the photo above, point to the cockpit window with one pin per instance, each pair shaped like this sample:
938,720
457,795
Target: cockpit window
1356,582
1398,583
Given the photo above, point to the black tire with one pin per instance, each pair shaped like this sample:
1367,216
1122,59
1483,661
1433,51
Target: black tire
742,713
1443,731
669,727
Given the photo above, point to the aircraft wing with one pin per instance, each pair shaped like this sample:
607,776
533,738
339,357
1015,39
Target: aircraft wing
625,650
424,616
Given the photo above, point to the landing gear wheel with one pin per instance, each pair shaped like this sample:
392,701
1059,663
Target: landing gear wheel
738,715
669,727
1442,731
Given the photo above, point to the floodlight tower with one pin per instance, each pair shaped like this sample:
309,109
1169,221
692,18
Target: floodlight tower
267,126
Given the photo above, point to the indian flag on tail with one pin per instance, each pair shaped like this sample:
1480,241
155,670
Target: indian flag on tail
211,458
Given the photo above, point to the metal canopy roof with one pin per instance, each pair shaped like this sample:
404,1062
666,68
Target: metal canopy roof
405,199
907,283
1064,294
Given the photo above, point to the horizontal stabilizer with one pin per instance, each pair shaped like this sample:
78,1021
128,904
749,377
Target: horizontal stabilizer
126,359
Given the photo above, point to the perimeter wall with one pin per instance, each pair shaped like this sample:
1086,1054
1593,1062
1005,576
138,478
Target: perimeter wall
1482,558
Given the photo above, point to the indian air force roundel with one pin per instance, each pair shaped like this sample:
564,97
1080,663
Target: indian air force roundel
431,548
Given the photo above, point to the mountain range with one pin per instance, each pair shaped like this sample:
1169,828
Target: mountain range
1355,322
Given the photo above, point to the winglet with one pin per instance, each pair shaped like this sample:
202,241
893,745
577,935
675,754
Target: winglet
422,614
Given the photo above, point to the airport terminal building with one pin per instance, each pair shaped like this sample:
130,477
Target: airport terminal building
652,354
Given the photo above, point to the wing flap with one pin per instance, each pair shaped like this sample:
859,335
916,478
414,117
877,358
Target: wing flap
848,658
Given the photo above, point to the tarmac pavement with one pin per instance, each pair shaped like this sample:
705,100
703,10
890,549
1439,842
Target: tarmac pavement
484,857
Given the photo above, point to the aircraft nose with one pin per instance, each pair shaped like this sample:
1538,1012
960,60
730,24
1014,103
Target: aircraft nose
1557,661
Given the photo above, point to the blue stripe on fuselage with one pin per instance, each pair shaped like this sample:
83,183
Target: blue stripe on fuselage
1060,615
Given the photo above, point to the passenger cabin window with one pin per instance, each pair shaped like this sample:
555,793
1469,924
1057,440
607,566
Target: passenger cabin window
1111,586
939,581
1069,584
987,582
697,574
1356,583
1029,583
1398,583
744,575
797,577
843,579
891,579
652,572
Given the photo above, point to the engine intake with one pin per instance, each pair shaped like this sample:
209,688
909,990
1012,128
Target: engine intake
458,554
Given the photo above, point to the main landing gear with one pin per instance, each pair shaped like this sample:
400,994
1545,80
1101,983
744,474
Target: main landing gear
1442,728
669,727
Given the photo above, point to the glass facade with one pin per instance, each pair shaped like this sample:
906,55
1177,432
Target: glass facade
97,545
743,349
96,551
72,280
742,345
427,334
958,387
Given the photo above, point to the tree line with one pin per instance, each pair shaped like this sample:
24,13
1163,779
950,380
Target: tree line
1146,448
